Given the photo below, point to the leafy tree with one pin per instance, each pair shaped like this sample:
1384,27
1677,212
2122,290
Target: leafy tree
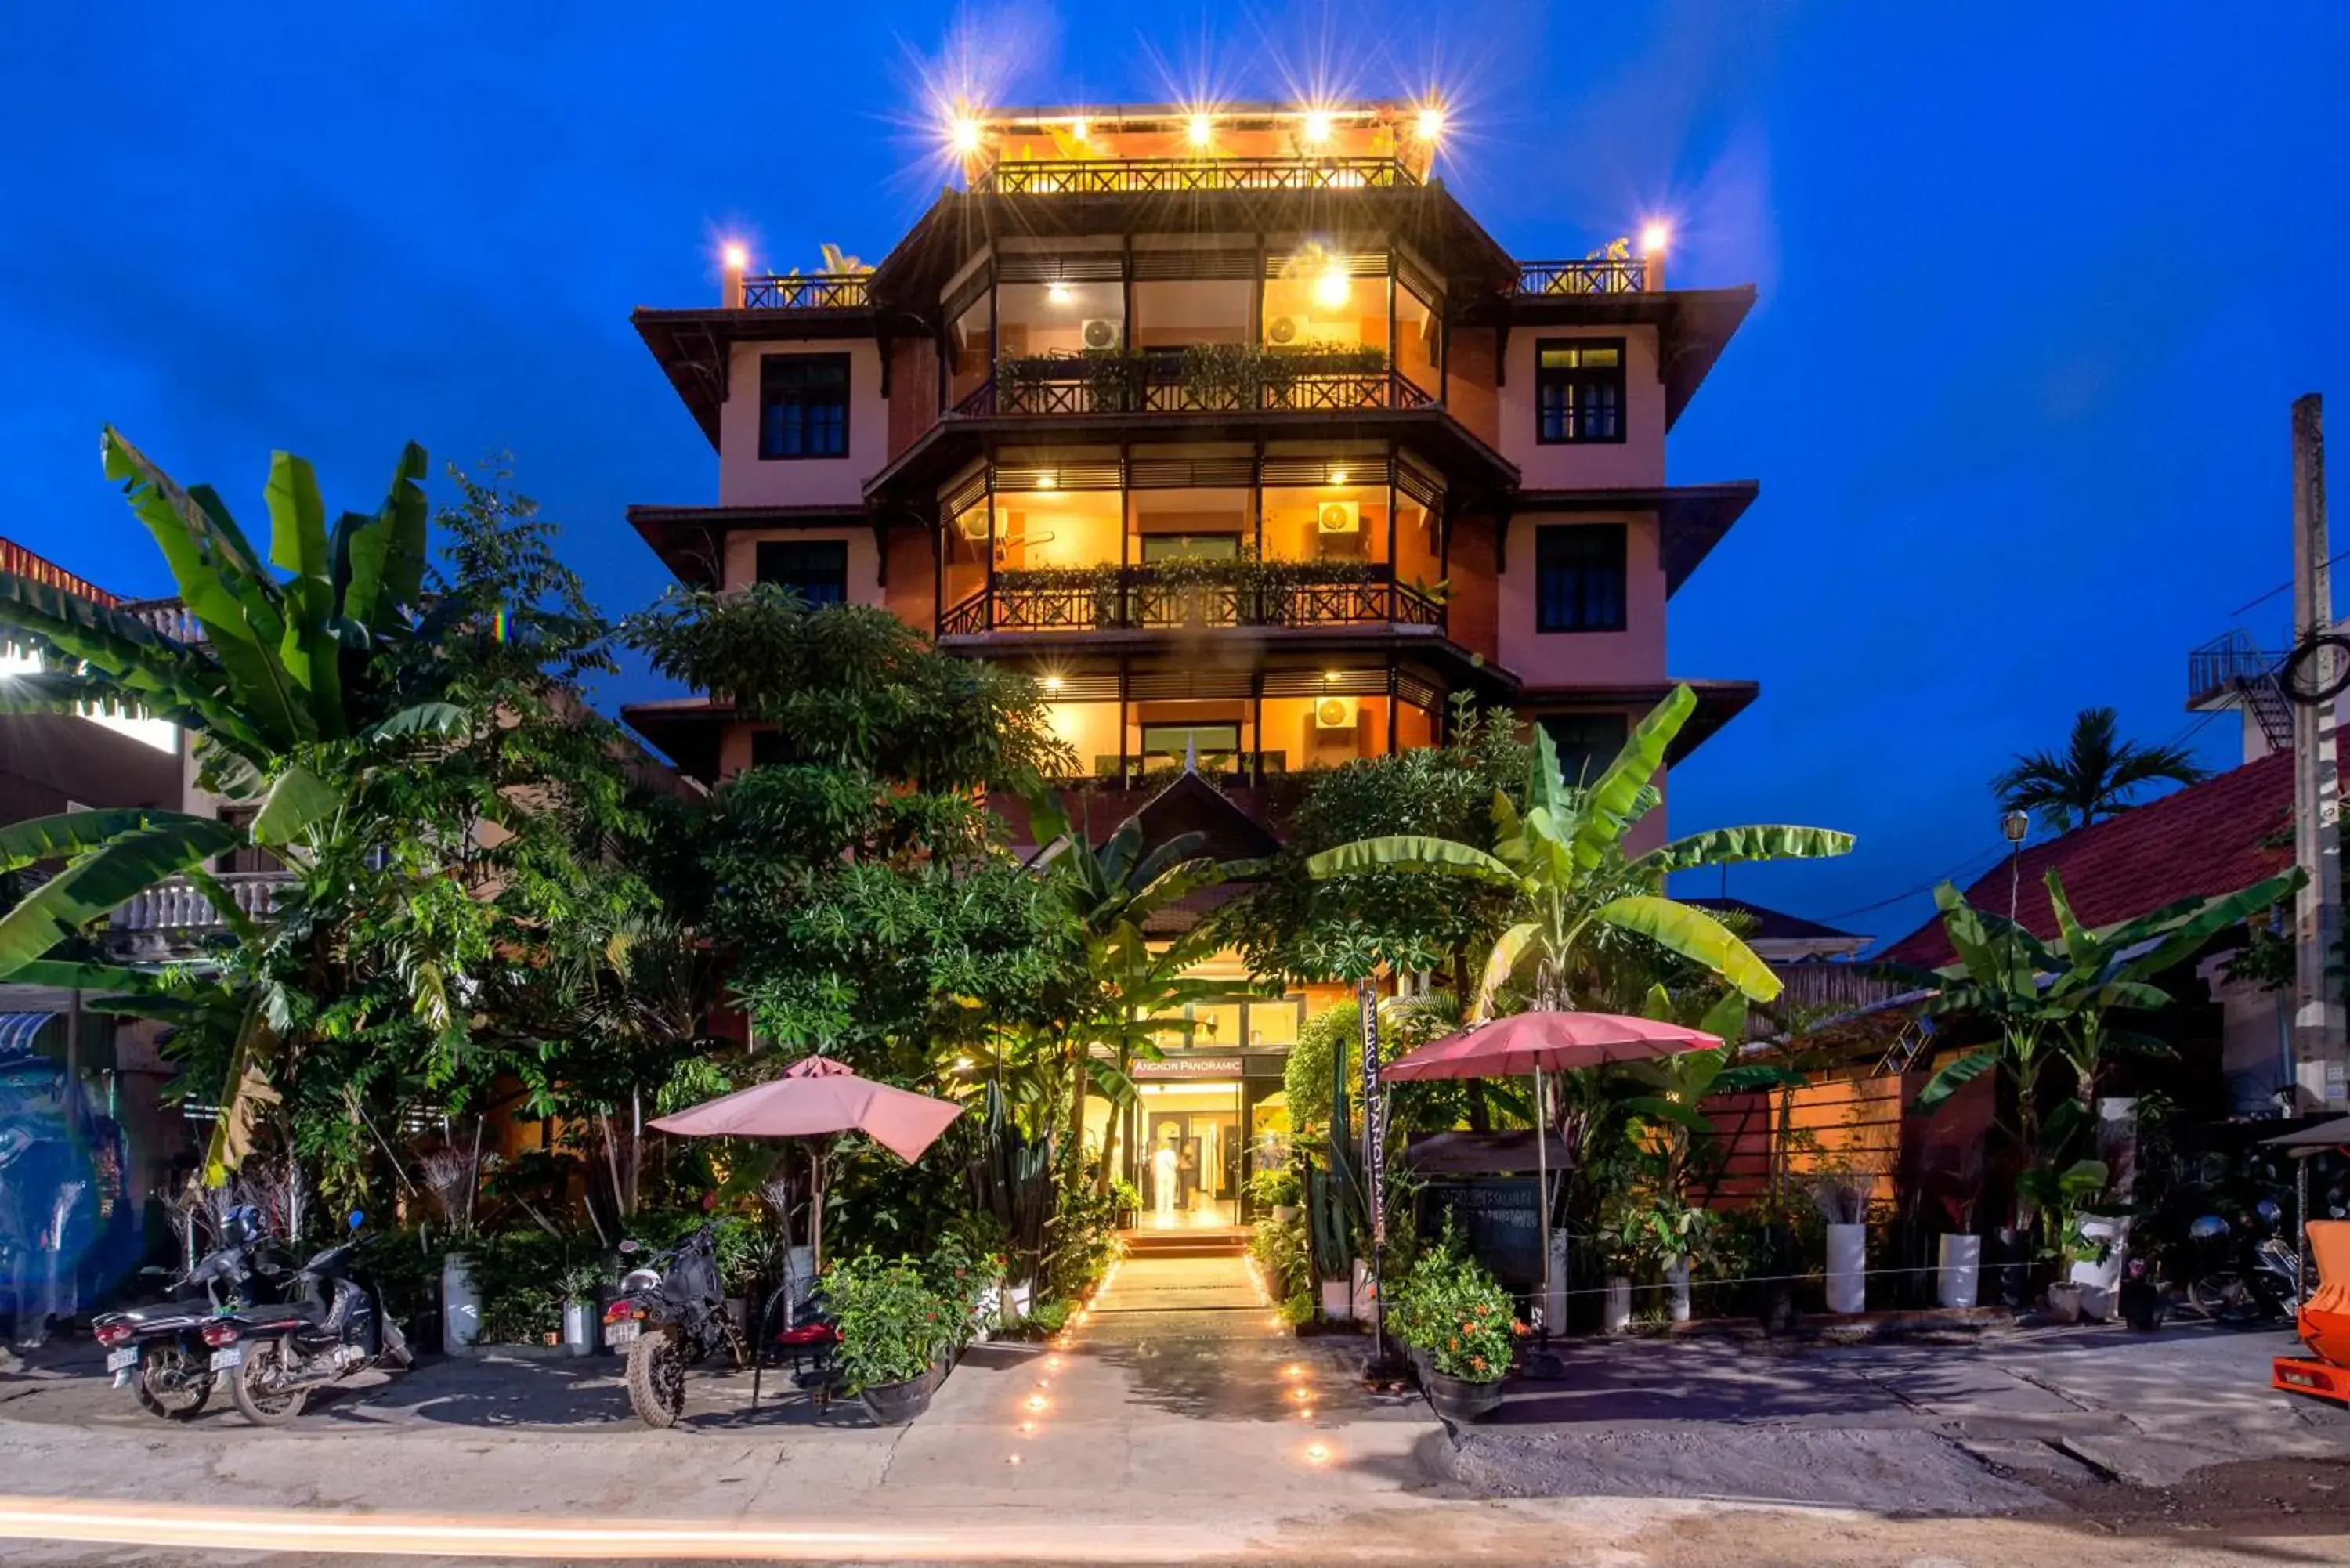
2056,1005
2095,775
1569,885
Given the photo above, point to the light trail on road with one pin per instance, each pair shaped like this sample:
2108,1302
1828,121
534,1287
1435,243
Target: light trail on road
246,1529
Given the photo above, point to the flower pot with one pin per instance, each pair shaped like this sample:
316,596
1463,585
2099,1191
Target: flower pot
1847,1268
1282,1213
461,1305
579,1327
1960,1274
1337,1301
895,1404
2100,1281
1458,1399
1677,1290
1616,1315
1017,1300
2064,1302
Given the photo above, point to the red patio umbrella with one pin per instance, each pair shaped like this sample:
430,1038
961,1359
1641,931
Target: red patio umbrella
1537,1043
820,1098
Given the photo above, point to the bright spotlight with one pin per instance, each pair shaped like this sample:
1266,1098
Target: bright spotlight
966,131
1317,127
1332,289
1653,238
1431,123
737,258
1201,131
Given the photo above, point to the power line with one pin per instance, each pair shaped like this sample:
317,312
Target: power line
1926,886
2280,589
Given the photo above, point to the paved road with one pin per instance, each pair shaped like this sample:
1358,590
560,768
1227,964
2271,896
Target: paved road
1178,1423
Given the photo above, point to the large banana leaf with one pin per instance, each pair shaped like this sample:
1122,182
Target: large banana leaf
1730,845
1613,800
71,833
387,558
157,669
224,585
1955,1077
2207,922
308,649
1994,952
104,878
298,801
1696,936
1410,852
1509,951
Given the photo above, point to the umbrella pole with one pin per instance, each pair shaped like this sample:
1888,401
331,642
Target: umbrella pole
816,1207
1541,1191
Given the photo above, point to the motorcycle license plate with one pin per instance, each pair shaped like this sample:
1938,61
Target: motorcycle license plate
231,1356
617,1334
118,1360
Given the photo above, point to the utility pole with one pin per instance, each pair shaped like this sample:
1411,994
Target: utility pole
2321,1060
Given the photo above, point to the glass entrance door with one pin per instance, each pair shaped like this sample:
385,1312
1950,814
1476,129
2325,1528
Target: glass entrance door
1192,1156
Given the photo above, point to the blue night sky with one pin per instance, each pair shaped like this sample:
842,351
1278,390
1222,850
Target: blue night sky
2038,285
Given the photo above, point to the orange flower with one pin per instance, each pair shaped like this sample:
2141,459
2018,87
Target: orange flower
1484,1309
1456,1343
1478,1362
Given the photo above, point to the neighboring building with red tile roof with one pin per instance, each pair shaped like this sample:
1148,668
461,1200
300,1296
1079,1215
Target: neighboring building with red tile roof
2205,840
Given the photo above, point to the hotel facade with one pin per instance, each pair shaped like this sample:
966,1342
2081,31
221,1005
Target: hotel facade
1237,431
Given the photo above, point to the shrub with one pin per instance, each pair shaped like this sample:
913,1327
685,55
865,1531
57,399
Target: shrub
893,1321
1275,1189
1450,1309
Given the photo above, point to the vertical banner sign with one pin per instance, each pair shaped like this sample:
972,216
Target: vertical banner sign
1375,1121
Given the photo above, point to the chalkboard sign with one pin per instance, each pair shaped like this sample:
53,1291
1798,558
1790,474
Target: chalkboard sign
1498,1217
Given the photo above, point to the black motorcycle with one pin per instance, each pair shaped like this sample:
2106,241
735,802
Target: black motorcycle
159,1351
274,1357
670,1313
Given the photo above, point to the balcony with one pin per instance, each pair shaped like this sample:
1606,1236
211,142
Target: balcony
1183,176
175,913
1208,380
1608,275
808,291
1189,595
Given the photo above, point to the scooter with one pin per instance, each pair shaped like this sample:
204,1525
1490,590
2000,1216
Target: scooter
159,1351
273,1358
2243,1274
671,1313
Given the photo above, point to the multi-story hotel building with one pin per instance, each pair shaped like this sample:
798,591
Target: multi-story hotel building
1238,432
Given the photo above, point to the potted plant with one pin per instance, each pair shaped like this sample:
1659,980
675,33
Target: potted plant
1273,1193
892,1323
1843,1200
1461,1321
2062,1197
582,1319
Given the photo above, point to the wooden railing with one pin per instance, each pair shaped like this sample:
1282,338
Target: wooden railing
1163,176
1084,391
1150,599
1609,275
17,561
808,291
178,905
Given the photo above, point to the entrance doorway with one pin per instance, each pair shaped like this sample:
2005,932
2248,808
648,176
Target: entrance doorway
1190,1158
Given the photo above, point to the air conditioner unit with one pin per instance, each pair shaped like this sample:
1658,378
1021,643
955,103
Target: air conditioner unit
1103,332
974,523
1287,329
1333,713
1340,517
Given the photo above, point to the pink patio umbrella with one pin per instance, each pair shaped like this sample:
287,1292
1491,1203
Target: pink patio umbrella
815,1098
1537,1043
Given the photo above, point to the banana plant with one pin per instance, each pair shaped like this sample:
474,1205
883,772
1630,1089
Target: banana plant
2054,1004
1564,860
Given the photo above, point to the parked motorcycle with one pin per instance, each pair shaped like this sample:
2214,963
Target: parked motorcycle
159,1351
670,1313
274,1357
2242,1273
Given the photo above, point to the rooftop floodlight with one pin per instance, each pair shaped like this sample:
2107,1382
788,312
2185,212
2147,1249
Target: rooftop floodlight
1317,126
1201,131
965,132
1653,238
1431,123
737,258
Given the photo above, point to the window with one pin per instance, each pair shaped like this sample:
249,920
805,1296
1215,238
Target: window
1177,740
1580,391
815,569
1158,547
803,405
1586,743
1579,576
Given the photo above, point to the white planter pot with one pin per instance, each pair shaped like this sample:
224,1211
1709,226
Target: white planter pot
1959,1276
2100,1281
2064,1302
1616,1315
1366,1288
1677,1291
1553,1311
579,1327
1282,1213
1337,1301
461,1305
1847,1268
1017,1299
801,1263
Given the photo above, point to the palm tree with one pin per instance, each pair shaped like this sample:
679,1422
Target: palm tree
1564,861
2095,777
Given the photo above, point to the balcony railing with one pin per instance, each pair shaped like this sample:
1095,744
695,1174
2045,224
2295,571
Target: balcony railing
1163,176
177,905
170,617
809,291
1080,387
2222,666
1153,599
1611,275
17,561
